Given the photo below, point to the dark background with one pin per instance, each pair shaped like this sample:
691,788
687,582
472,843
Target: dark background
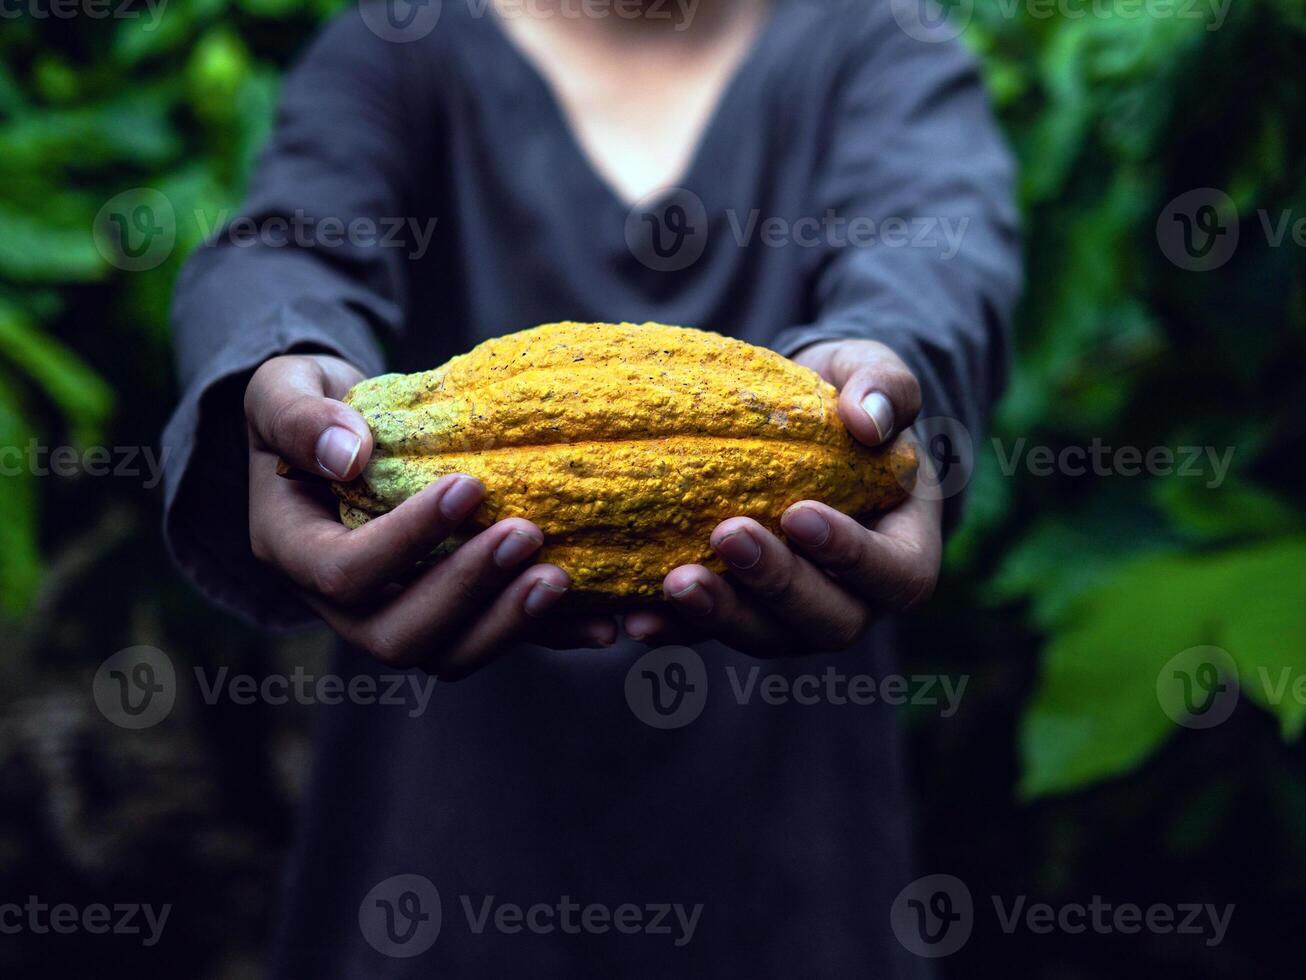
1065,596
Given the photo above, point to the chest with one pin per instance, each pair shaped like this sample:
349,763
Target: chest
637,112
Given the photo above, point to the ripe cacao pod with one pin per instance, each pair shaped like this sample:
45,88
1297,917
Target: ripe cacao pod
626,444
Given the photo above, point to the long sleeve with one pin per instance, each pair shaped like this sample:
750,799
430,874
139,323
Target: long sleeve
915,167
300,270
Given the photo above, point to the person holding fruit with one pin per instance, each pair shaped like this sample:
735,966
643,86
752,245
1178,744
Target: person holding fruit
594,168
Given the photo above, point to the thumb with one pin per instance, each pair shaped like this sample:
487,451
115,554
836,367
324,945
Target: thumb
878,394
290,414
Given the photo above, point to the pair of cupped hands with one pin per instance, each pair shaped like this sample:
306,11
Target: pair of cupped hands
819,590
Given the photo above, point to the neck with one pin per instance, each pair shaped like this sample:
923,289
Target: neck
636,21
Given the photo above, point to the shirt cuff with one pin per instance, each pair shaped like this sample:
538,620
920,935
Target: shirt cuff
205,456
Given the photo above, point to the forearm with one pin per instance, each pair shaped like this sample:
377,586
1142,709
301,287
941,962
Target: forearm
917,164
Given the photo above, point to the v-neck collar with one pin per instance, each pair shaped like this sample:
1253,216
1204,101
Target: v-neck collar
691,177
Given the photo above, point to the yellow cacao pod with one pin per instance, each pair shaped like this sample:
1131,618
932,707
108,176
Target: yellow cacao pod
626,444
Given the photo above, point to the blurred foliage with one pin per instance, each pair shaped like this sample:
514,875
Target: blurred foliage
199,817
1112,117
1068,596
1064,594
162,96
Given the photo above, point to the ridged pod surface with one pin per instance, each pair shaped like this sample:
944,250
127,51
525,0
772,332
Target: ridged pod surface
626,444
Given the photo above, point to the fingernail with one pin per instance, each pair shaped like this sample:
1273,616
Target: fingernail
880,411
694,598
337,448
516,548
739,550
461,499
541,596
807,527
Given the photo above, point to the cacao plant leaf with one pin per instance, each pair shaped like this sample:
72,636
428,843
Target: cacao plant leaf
1064,556
1236,510
1096,713
1263,601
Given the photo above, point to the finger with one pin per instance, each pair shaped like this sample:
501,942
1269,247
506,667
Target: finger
349,566
878,394
284,514
659,627
707,602
291,415
791,589
514,612
895,564
426,614
573,633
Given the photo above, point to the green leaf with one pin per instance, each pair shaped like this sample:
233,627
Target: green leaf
20,557
1090,327
133,129
1096,713
218,67
146,37
55,79
258,102
1060,130
1263,602
33,251
1234,510
11,95
81,395
1064,555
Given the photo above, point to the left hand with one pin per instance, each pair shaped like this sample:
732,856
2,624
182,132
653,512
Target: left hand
839,576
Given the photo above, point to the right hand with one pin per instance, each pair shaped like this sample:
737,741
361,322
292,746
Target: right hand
449,618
